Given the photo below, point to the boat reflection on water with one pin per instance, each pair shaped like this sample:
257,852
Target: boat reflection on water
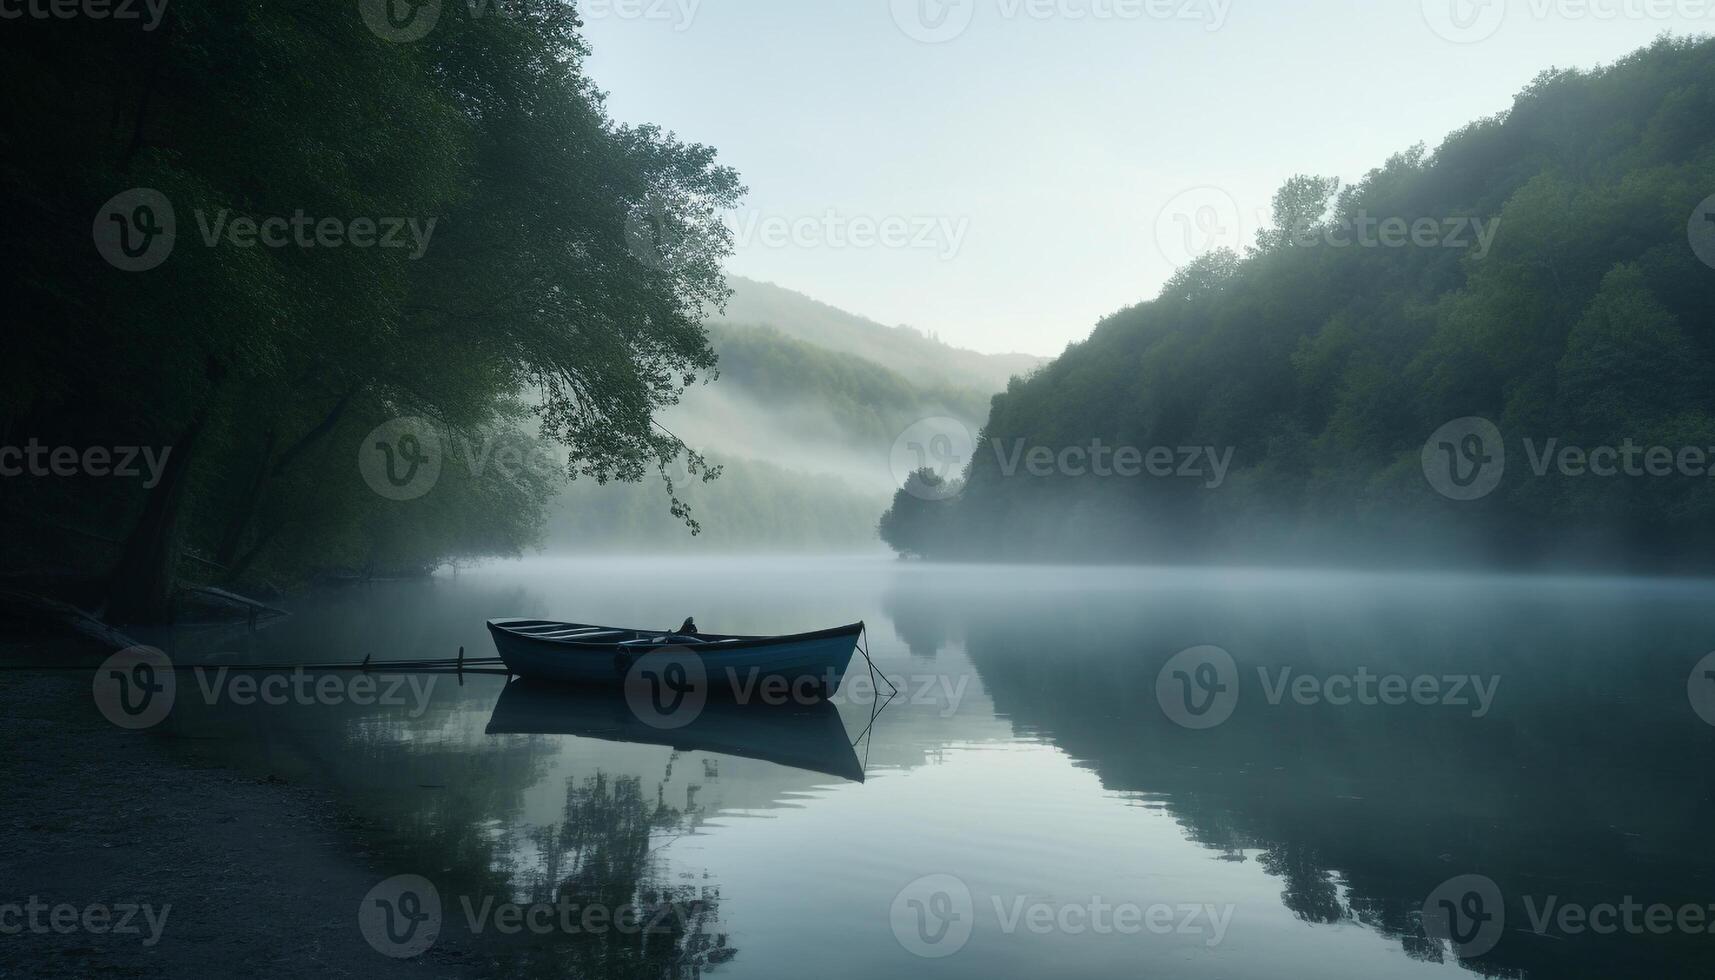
802,736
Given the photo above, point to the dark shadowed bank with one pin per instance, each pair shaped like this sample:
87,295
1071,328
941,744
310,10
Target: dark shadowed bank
245,874
1553,282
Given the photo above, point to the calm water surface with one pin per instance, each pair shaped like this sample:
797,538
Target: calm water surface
1028,806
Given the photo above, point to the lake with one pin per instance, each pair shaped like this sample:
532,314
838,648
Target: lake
1090,772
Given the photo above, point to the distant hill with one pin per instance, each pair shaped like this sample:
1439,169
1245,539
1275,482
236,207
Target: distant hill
902,349
803,418
842,401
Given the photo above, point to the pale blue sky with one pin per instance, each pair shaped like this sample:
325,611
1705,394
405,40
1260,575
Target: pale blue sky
1046,148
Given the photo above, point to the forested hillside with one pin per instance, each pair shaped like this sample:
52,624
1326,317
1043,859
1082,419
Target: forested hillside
1574,307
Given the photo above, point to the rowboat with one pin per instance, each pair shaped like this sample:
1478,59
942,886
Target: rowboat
800,665
811,737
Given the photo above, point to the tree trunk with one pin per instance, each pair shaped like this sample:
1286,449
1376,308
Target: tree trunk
248,507
245,512
237,570
141,589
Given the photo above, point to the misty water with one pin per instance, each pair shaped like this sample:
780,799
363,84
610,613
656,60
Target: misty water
1028,804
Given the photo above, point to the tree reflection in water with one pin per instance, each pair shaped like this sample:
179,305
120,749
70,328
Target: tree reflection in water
1585,782
603,855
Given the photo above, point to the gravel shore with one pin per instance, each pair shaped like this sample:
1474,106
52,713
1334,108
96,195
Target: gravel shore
239,874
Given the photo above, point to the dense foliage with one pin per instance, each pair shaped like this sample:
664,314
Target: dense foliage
1326,367
526,313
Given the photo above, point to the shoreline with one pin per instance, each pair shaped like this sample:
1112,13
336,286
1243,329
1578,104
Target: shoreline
246,875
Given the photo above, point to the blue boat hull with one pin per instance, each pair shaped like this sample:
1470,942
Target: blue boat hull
805,664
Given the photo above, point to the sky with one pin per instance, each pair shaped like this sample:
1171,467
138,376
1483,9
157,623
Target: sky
1004,173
